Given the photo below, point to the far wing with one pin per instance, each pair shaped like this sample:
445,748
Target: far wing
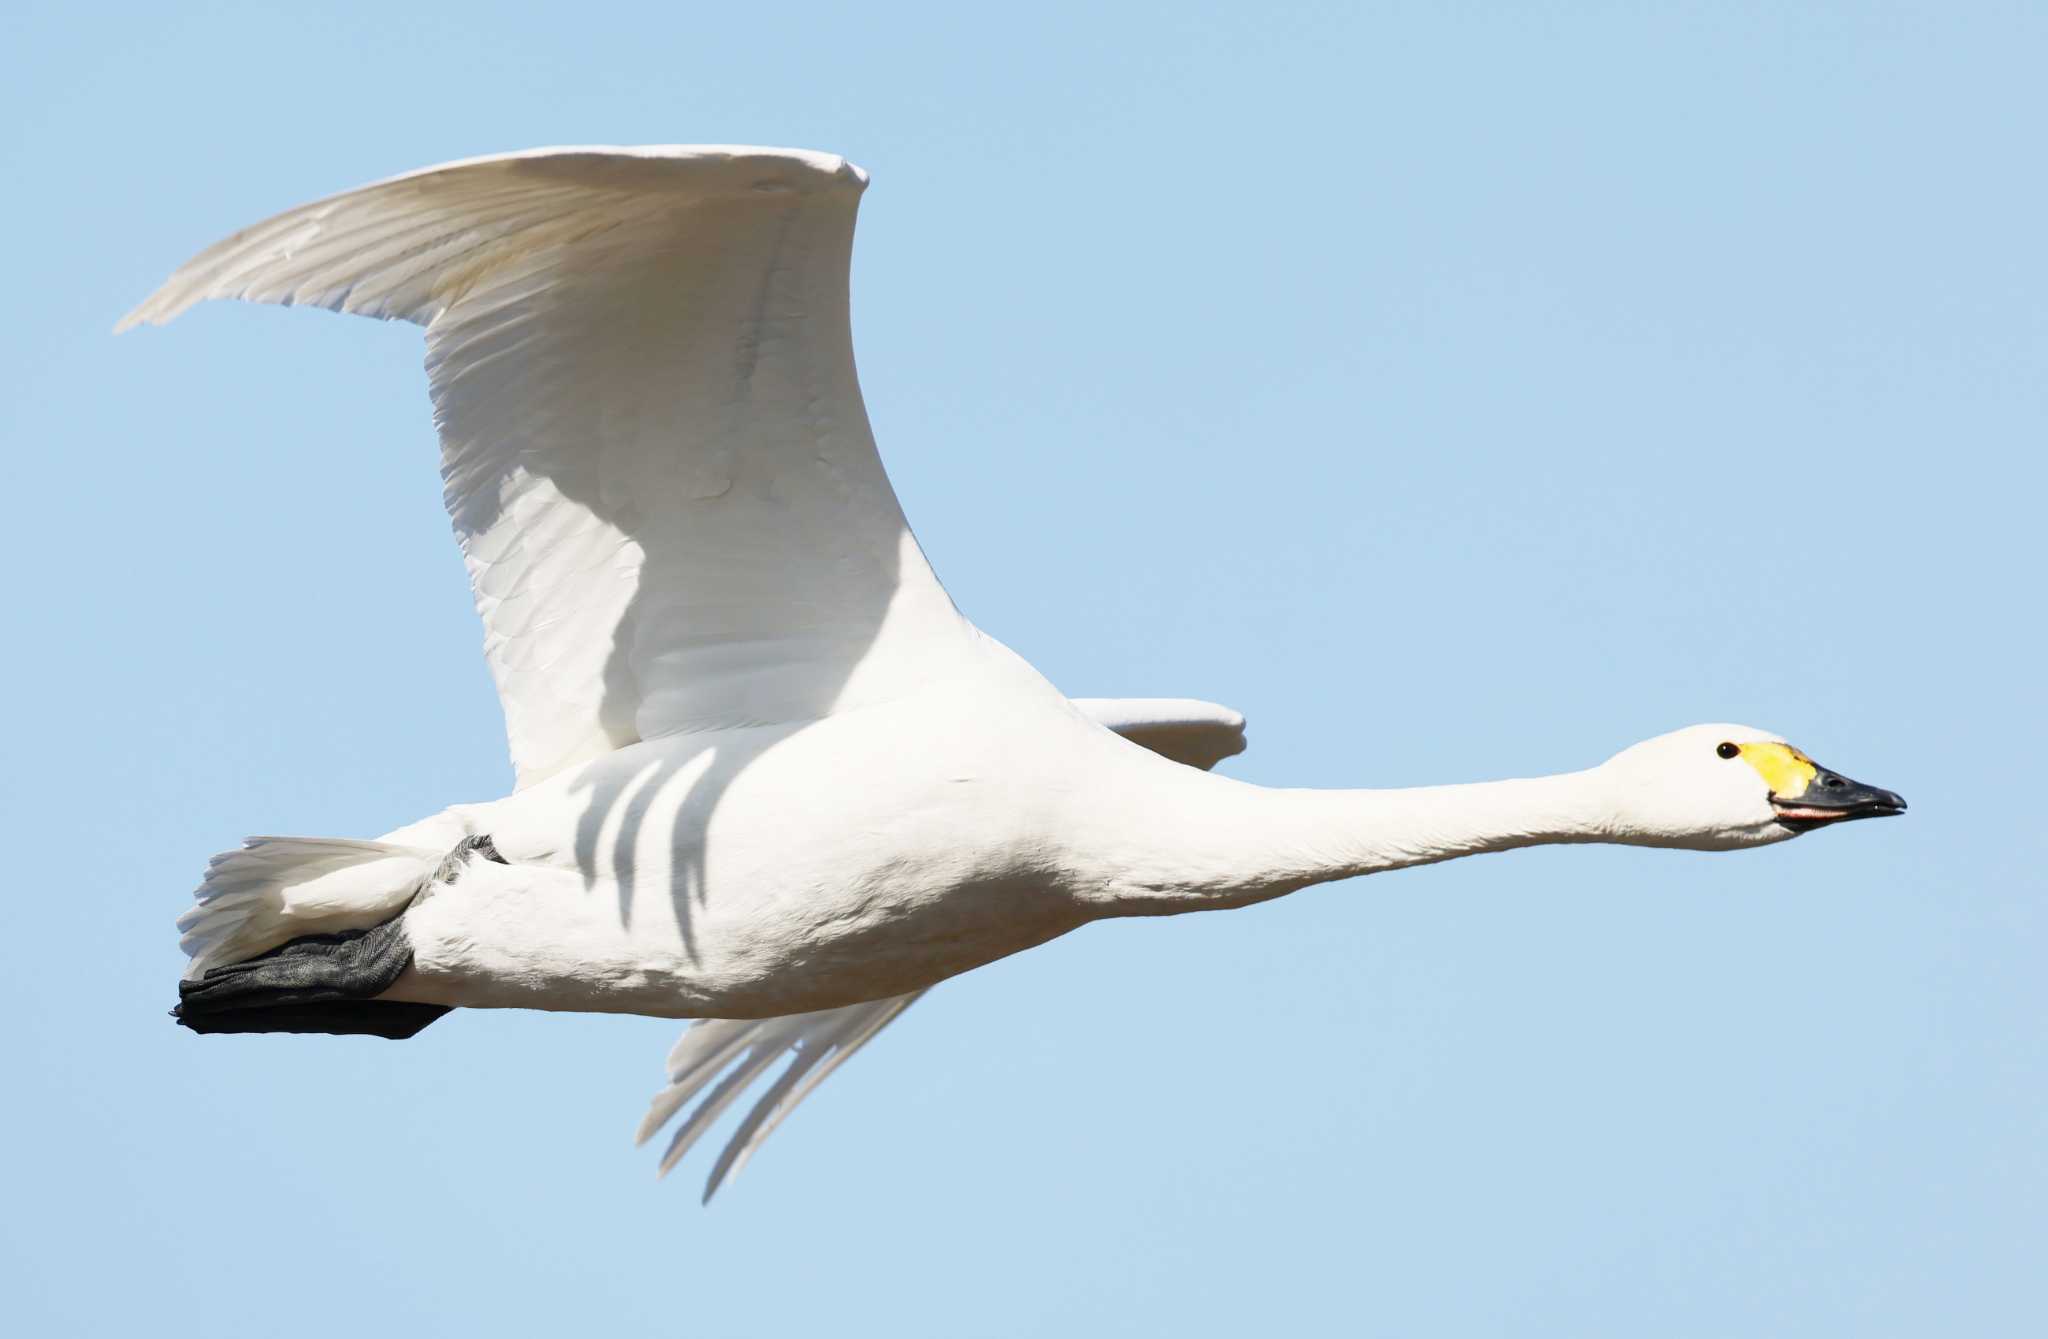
1200,734
653,443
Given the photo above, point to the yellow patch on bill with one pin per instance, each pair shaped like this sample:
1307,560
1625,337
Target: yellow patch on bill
1784,769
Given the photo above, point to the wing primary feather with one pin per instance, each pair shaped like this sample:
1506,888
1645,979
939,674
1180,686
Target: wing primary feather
816,1045
698,1057
793,1087
803,1059
756,1063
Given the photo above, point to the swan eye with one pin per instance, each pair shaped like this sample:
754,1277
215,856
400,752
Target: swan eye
1726,750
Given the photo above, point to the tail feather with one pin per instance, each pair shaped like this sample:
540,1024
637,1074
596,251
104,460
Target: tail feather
276,889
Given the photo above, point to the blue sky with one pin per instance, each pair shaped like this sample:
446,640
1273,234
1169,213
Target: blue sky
1460,391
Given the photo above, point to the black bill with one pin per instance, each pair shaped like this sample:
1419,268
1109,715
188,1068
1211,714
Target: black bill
1833,798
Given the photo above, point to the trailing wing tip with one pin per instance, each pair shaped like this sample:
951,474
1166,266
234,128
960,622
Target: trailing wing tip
152,310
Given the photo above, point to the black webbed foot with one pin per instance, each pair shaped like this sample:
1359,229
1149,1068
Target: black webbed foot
326,983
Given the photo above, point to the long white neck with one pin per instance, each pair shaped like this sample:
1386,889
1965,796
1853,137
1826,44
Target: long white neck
1214,842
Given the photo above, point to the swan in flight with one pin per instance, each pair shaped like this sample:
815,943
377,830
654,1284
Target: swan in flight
768,777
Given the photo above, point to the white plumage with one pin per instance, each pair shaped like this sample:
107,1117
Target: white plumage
653,445
768,776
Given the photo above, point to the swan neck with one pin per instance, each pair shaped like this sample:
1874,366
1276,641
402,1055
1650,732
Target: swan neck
1418,827
1243,843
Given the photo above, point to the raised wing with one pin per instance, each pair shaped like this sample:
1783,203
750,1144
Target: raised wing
737,1052
654,448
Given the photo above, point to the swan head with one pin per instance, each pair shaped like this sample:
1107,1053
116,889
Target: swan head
1720,787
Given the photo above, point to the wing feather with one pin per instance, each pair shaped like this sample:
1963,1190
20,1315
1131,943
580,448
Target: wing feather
1187,730
654,449
816,1044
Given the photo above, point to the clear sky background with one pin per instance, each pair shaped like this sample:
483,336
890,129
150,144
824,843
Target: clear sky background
1459,391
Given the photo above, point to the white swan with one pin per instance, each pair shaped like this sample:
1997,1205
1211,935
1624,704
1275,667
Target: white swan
768,776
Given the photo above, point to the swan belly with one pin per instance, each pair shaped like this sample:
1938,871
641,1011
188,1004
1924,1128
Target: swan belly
519,937
750,874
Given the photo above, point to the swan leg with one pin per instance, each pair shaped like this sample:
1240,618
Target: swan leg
326,983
